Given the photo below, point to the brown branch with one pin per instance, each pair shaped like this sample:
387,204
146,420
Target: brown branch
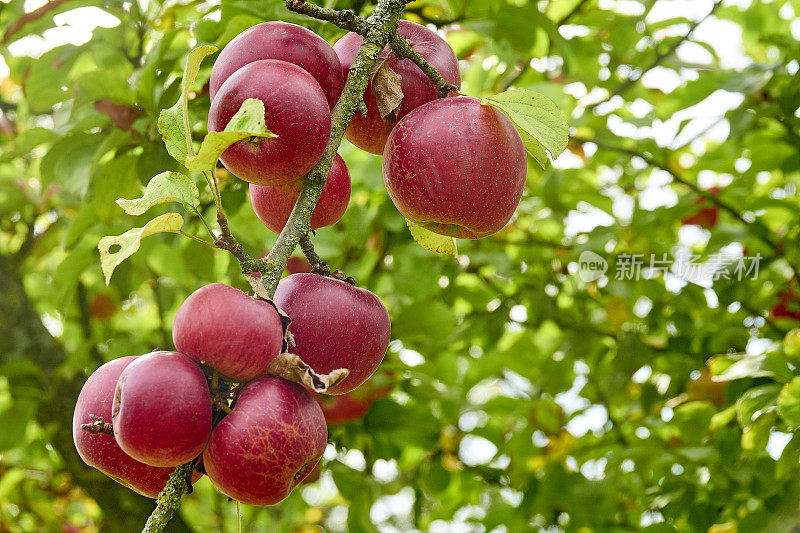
660,58
36,14
318,266
401,47
345,19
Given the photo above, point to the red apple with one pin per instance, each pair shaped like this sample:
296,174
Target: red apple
339,410
233,333
274,203
370,133
456,167
103,306
335,325
296,111
268,444
297,265
102,451
285,42
707,216
788,306
162,409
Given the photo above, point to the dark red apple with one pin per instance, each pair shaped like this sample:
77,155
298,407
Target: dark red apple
268,444
274,203
285,42
456,167
339,410
296,111
705,217
370,133
103,306
162,409
233,333
297,265
102,451
788,306
335,325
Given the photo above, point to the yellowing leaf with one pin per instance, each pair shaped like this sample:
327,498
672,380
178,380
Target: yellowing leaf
165,187
248,122
130,240
434,242
173,123
541,123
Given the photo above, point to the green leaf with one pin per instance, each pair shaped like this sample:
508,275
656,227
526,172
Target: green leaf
752,366
537,116
441,244
246,123
789,402
165,187
130,240
173,123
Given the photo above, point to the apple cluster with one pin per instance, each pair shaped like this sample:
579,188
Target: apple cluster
450,165
256,440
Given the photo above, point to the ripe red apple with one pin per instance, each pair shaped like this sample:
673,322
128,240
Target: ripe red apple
285,42
103,306
296,111
335,325
370,133
233,333
268,444
788,306
339,410
102,451
456,167
297,265
162,409
274,203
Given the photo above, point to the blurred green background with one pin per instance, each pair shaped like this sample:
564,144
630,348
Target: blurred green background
526,394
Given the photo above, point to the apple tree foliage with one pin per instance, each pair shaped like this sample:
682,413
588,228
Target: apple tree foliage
523,396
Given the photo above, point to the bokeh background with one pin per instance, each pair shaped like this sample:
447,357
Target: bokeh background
524,395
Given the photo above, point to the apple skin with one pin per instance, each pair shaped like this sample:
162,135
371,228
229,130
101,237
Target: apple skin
370,133
340,410
102,451
274,203
285,42
456,167
288,93
268,444
162,409
233,333
335,325
297,265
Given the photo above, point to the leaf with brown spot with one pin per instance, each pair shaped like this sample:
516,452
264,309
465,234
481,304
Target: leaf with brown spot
387,90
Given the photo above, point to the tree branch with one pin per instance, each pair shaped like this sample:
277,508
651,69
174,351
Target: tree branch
345,19
36,14
630,82
402,49
169,501
318,266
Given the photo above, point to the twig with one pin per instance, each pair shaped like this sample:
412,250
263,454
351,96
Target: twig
630,82
401,47
346,19
318,266
36,14
180,483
